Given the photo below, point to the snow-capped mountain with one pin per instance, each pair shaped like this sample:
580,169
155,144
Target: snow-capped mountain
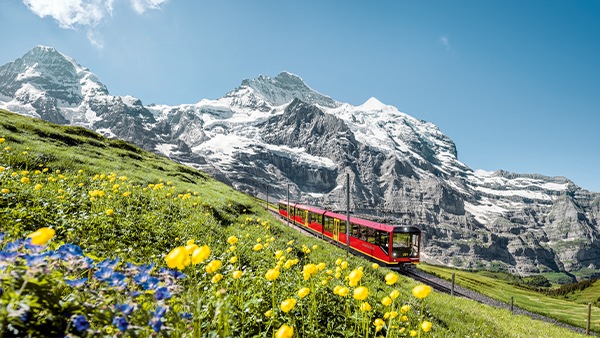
278,131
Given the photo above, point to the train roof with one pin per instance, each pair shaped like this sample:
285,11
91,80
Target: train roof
355,220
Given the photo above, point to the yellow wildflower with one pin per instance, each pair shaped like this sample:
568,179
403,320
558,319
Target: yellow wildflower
421,291
237,274
213,266
232,240
24,180
365,307
391,278
216,278
361,293
394,294
287,305
41,236
272,274
303,292
284,331
201,254
257,247
426,326
387,301
176,258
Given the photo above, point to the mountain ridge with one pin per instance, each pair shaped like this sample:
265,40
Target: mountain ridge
278,131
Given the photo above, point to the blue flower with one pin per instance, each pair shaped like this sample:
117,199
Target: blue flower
32,260
2,237
81,324
174,273
126,309
32,247
151,283
162,293
121,323
155,323
185,315
142,277
108,263
160,311
117,279
104,274
76,282
69,251
13,246
6,256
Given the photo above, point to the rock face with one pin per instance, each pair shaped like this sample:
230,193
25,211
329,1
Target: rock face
278,132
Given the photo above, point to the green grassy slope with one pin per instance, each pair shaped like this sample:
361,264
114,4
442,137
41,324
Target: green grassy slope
566,311
116,201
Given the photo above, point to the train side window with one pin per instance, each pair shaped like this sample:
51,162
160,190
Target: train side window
355,230
371,235
328,224
342,226
362,231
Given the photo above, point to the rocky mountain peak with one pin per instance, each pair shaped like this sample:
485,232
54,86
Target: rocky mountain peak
265,92
46,70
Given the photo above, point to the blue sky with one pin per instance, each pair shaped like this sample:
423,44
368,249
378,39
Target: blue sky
515,84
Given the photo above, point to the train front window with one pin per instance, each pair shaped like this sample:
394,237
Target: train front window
405,245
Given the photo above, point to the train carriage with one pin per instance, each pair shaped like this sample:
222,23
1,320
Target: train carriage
386,244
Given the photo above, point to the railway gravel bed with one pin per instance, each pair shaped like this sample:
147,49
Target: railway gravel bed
443,285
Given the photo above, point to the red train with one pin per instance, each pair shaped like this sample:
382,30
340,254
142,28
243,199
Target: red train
388,245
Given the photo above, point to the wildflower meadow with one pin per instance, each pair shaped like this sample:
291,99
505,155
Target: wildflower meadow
74,263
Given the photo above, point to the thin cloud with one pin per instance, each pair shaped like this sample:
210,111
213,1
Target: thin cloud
72,14
445,42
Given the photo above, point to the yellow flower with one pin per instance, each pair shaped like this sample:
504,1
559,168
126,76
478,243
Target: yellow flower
257,247
404,318
37,187
361,293
391,278
233,260
386,301
426,326
41,236
413,333
321,266
2,169
190,248
24,180
109,212
269,313
344,291
365,307
2,139
278,254
308,270
344,265
176,258
379,324
213,266
303,292
201,254
421,291
272,274
232,240
374,266
287,305
315,247
7,148
354,277
127,193
336,290
237,274
288,250
405,308
394,294
284,331
216,278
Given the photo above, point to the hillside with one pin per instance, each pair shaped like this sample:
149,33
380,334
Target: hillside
121,215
